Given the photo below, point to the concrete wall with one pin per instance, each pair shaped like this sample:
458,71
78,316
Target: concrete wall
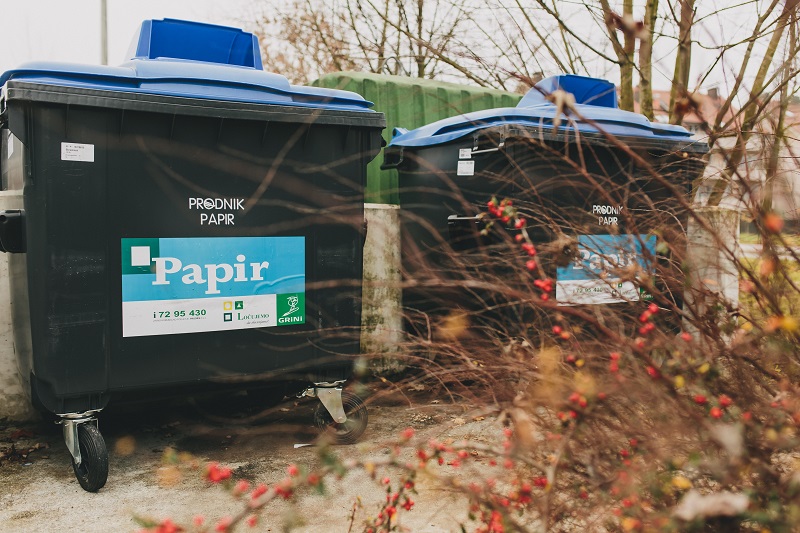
14,405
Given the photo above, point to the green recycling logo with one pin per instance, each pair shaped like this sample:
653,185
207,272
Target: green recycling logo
291,308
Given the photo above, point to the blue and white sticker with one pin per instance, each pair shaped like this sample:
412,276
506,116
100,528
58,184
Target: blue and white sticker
193,285
595,277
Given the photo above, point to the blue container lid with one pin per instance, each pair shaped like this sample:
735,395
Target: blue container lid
596,102
192,60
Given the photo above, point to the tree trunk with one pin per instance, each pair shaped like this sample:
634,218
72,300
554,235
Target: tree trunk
683,61
646,60
626,61
624,51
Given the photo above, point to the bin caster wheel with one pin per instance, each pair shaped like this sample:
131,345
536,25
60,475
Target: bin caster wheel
349,431
92,473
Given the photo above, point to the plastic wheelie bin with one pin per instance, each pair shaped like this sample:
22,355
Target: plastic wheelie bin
185,219
603,191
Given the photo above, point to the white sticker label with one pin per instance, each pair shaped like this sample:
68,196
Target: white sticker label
198,315
77,152
464,153
595,291
10,145
466,168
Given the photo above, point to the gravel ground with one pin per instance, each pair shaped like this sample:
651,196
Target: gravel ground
40,493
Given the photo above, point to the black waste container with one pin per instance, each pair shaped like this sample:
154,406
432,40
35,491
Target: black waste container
185,218
603,193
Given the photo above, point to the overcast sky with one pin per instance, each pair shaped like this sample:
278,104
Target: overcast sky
69,31
59,30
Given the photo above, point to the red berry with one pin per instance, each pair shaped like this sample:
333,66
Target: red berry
653,308
557,330
530,264
652,372
686,336
518,237
520,223
260,490
699,399
574,397
725,401
614,356
715,412
773,222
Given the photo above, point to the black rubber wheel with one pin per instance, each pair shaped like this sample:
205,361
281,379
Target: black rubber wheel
349,431
93,471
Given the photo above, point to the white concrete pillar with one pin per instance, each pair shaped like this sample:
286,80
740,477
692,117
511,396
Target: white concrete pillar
381,312
713,271
14,404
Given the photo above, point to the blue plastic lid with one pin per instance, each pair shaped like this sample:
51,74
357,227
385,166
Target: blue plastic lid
181,39
192,60
596,102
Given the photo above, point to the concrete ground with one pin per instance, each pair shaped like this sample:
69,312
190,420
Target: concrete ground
40,493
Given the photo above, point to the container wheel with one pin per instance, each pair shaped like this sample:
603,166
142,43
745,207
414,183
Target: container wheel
93,470
349,431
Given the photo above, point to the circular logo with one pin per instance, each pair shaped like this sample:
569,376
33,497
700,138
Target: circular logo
208,203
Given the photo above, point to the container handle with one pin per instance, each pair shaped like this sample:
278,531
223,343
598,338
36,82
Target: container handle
489,150
12,231
392,157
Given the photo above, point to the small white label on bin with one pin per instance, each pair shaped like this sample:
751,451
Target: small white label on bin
464,153
466,168
77,152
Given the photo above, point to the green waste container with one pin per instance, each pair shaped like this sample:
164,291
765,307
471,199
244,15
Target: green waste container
411,103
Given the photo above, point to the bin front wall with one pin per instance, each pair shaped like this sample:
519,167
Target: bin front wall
562,191
109,187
